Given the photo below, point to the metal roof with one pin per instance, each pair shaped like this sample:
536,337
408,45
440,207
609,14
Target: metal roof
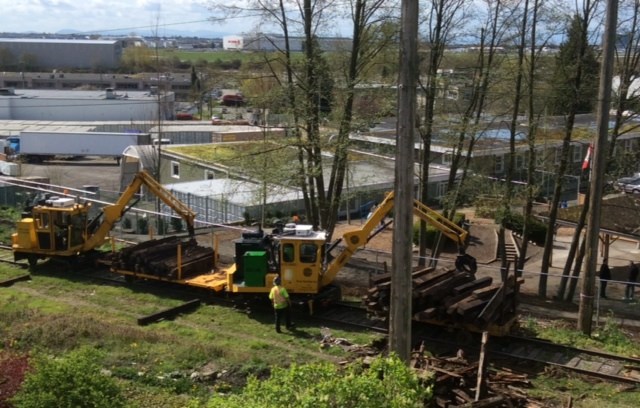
56,41
238,192
101,94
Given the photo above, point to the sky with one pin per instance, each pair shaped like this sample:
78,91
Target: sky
143,17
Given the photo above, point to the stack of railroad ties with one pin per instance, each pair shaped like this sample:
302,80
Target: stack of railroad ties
159,257
452,297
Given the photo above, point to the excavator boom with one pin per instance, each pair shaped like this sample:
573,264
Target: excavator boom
354,240
112,213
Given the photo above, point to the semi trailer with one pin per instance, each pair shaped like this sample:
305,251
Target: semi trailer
39,146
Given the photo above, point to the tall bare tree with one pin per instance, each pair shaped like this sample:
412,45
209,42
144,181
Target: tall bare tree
439,24
626,98
575,69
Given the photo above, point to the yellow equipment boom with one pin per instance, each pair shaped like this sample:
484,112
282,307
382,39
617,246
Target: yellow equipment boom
354,240
112,213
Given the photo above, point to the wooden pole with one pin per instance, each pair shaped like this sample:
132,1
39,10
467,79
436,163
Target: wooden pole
400,313
482,366
587,291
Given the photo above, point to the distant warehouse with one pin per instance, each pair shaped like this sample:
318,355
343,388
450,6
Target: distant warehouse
85,105
62,54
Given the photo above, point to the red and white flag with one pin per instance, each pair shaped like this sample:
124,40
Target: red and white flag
587,158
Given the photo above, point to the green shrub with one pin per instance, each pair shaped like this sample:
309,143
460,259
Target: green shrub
176,224
536,230
143,226
72,381
387,383
432,232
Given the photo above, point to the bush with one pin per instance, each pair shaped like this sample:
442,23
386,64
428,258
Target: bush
432,232
176,224
13,369
536,230
387,383
143,226
72,381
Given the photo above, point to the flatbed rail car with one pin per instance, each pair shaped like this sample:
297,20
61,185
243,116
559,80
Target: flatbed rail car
297,253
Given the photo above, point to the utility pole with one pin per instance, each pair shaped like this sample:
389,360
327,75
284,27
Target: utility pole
400,313
587,292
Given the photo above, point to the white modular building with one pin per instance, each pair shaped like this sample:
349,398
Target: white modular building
232,42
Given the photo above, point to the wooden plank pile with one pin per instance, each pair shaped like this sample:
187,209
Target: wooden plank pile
456,381
159,257
450,297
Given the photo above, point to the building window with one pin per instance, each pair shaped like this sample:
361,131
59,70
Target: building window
209,175
442,189
577,153
446,158
519,161
499,164
175,169
558,156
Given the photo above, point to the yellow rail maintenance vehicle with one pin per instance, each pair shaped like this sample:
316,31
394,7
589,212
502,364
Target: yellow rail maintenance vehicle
60,227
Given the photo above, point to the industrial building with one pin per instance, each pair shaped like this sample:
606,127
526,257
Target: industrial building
64,54
77,105
274,42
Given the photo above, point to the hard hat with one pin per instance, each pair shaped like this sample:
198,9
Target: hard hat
276,280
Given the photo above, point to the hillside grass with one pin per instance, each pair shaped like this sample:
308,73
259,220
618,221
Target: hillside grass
59,311
211,55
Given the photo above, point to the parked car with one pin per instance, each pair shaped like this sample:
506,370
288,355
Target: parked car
628,184
633,187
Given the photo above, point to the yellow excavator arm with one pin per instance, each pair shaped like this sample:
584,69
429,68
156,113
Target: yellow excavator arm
112,213
354,240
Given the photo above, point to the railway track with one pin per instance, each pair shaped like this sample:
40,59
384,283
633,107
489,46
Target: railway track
509,349
6,256
592,363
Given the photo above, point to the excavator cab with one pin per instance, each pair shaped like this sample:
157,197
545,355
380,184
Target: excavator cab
56,228
294,252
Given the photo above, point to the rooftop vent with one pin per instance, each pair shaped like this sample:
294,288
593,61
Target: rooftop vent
111,94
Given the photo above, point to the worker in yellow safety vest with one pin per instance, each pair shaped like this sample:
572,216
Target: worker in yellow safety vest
280,300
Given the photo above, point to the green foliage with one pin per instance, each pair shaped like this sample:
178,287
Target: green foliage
432,232
126,223
575,57
143,225
536,230
72,381
176,224
387,383
8,218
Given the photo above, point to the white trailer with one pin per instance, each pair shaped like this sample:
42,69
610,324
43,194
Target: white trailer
36,146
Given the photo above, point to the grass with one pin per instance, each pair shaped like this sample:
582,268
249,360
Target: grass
211,56
608,337
556,389
60,311
8,218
